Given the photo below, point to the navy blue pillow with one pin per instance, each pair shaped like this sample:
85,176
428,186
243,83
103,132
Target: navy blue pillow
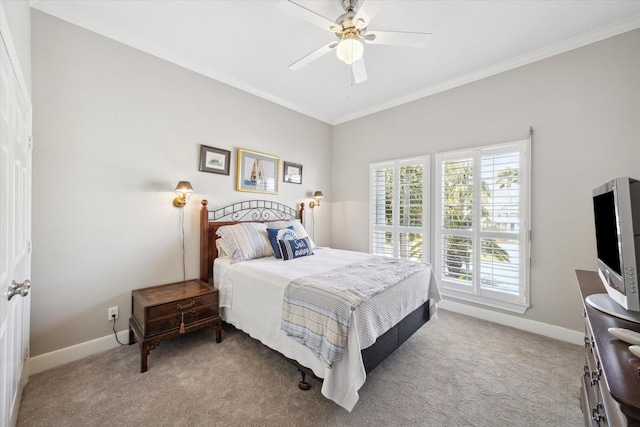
273,238
295,248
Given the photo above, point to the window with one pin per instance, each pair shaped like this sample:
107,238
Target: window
399,195
482,229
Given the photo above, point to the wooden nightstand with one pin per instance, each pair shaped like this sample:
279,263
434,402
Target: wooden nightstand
158,312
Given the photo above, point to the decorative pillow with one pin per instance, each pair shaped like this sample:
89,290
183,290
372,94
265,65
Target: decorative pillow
295,248
273,239
246,240
297,227
286,234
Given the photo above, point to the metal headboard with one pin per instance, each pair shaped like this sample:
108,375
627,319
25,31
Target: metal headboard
253,210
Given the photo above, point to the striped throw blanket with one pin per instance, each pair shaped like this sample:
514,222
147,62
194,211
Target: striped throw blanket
317,309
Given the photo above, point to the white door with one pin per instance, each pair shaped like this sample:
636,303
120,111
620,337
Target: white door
15,230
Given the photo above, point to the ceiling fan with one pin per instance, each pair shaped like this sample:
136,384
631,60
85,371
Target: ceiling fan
351,30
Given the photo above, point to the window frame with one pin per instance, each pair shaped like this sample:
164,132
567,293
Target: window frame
476,293
395,228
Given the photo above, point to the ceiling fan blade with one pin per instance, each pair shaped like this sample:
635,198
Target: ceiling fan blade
397,38
305,14
313,56
359,71
368,12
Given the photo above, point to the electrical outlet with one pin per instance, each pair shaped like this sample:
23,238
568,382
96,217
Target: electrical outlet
113,313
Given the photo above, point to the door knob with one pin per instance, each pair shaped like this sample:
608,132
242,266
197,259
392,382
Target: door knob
16,288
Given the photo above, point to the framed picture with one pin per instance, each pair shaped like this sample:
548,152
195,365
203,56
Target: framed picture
214,160
258,172
292,172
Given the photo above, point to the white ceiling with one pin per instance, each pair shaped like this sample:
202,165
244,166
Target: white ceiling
250,44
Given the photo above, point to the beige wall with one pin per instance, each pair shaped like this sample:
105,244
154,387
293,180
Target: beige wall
115,129
584,106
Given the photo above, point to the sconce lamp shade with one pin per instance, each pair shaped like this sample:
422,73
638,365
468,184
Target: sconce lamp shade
183,187
317,197
184,191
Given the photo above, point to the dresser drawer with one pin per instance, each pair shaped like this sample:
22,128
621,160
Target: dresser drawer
183,305
173,320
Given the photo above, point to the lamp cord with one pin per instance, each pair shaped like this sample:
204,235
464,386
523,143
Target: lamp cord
184,268
114,331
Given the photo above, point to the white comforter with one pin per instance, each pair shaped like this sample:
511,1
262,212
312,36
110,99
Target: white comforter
251,295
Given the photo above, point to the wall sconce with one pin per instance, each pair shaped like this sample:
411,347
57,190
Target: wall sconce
184,191
317,196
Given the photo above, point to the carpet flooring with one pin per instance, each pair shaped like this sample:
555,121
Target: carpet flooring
455,371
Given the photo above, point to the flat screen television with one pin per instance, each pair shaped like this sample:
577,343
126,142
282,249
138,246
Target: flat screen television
616,208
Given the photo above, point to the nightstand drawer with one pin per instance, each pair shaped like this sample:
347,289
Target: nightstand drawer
183,305
173,320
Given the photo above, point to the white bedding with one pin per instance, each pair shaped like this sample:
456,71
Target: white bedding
251,295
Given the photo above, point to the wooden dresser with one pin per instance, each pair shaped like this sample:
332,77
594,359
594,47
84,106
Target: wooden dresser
611,379
166,311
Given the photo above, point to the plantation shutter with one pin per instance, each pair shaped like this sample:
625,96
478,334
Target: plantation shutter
482,226
399,208
500,235
382,182
457,217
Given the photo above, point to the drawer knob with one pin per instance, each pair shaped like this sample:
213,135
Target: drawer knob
185,306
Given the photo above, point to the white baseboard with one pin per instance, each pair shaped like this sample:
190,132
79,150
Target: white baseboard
69,354
75,352
545,329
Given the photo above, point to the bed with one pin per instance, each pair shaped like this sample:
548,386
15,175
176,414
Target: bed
254,293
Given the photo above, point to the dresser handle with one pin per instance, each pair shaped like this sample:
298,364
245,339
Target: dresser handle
184,307
595,413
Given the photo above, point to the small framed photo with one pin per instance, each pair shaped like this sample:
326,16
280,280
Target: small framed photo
258,172
292,173
214,160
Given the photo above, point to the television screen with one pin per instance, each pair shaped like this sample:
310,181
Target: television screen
607,244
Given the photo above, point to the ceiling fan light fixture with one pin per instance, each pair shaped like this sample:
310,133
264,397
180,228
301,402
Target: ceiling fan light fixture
349,49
